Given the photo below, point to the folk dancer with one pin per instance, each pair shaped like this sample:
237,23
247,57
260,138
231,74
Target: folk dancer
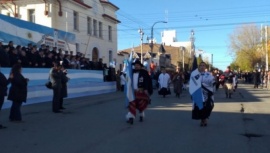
228,82
164,82
202,93
143,89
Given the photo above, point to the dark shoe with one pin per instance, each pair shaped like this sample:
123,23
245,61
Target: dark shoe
57,111
141,119
130,121
2,127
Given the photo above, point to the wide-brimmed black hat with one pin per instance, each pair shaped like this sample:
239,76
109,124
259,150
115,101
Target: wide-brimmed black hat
138,62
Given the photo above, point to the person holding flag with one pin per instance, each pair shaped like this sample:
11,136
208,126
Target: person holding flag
139,84
201,89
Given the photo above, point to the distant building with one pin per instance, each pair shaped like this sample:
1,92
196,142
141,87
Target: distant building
169,38
94,22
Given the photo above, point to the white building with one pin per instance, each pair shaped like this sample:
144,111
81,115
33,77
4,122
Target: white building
169,38
93,22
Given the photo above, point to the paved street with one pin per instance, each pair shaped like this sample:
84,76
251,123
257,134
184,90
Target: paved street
96,124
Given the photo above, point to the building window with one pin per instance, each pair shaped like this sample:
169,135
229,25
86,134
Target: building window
95,27
110,56
100,29
89,26
75,20
110,32
31,15
77,47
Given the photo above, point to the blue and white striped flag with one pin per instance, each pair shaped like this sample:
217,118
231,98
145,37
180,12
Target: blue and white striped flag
129,90
195,85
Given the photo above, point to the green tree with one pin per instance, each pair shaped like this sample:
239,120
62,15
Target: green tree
245,46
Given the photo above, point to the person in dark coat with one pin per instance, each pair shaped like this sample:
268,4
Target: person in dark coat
17,92
143,88
64,80
3,92
4,56
256,79
55,78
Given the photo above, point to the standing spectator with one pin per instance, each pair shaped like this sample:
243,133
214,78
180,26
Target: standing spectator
4,57
3,92
41,59
100,64
55,78
49,60
24,59
64,80
32,56
256,79
123,80
17,92
164,81
14,57
66,61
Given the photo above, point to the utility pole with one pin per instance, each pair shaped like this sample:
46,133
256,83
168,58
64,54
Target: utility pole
141,33
266,49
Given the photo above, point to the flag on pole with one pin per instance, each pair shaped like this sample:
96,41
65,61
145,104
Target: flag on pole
195,85
129,90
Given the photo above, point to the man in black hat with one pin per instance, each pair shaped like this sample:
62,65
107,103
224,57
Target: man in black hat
142,85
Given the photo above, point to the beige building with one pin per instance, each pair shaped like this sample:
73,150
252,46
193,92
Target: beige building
94,22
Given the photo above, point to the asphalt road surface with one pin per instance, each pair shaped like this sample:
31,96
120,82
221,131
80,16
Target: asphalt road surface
96,124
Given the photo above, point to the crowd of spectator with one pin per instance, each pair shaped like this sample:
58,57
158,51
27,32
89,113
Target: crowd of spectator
43,57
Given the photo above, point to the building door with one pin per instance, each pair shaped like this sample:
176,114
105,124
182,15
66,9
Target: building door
95,55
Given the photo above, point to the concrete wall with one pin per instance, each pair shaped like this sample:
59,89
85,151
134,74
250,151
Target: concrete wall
82,83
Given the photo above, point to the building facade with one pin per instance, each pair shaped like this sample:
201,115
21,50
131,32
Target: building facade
94,22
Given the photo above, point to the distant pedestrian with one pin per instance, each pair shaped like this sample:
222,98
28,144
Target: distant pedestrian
228,82
17,92
164,82
178,81
3,92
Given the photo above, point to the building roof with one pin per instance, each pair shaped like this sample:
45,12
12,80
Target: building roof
82,3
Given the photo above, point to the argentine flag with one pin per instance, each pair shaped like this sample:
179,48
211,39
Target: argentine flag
129,91
195,85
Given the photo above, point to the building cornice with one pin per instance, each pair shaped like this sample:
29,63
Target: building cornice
79,2
110,18
109,3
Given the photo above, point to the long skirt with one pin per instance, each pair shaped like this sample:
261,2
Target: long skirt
164,91
205,112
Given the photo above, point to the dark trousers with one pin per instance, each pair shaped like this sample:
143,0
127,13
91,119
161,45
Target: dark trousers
61,102
2,98
15,111
56,99
122,87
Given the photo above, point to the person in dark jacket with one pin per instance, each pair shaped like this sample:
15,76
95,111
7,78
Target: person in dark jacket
17,92
143,88
3,92
55,78
256,79
64,80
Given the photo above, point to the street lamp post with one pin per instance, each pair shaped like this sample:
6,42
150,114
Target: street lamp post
152,33
141,33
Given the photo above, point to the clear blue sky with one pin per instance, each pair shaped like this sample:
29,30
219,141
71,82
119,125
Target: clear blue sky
212,20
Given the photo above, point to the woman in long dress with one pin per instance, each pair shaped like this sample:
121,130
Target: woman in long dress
178,80
202,92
